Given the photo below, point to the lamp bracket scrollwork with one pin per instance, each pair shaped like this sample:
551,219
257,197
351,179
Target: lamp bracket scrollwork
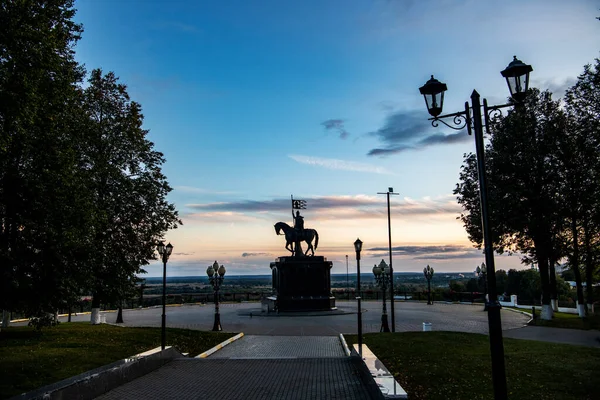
492,112
460,120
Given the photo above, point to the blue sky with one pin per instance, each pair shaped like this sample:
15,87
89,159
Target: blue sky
252,101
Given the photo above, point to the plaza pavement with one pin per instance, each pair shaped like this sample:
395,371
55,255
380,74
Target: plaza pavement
248,318
259,367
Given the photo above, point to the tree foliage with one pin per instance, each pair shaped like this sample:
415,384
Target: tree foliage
82,195
543,168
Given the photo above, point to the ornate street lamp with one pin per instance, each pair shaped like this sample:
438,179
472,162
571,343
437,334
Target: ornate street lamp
216,275
517,78
382,278
358,248
428,272
165,252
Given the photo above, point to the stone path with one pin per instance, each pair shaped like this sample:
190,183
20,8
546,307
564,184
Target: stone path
282,347
259,367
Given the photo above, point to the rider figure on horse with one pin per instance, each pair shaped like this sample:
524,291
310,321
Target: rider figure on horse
299,227
299,224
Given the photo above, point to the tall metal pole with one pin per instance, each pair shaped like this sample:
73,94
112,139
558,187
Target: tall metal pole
163,332
494,320
217,322
384,319
388,193
358,298
391,268
347,278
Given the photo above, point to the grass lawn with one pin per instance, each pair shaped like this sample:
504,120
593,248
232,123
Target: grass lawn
566,320
29,360
452,365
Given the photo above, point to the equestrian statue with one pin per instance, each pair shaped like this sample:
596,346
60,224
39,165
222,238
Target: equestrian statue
295,235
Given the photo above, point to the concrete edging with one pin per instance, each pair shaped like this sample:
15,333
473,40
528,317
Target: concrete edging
345,345
96,382
520,312
220,346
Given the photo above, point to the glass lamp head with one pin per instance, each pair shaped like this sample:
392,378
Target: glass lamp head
433,92
517,78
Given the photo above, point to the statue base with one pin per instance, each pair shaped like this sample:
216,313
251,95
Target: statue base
302,284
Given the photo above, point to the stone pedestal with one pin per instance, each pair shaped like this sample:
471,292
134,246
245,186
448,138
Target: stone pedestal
302,284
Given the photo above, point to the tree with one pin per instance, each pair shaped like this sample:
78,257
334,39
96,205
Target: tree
583,146
42,217
523,182
128,189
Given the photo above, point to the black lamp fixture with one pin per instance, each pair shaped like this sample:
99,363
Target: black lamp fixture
165,253
433,92
517,78
358,248
216,274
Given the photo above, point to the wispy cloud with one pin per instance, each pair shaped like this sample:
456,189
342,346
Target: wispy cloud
220,216
408,130
333,207
333,163
337,125
191,189
557,87
433,252
255,254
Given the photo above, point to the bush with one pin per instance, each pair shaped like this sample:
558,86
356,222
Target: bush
43,320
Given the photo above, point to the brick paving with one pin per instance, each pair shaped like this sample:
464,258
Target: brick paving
282,347
249,379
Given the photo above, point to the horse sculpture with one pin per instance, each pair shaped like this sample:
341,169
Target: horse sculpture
293,236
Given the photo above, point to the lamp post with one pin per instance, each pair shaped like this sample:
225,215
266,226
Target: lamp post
357,248
517,78
482,273
216,275
347,278
165,252
388,193
382,278
428,272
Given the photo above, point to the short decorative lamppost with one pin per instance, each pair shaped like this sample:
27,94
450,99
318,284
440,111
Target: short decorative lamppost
165,252
216,275
382,278
358,248
517,78
428,272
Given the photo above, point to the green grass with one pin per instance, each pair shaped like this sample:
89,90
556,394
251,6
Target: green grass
452,365
566,320
30,359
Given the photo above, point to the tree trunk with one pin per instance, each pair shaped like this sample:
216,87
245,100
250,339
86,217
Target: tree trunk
575,267
5,319
547,312
95,316
589,266
120,314
553,290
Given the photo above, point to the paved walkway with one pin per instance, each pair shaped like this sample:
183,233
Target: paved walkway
259,367
235,317
283,347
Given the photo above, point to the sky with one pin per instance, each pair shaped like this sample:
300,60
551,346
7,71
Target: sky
252,102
